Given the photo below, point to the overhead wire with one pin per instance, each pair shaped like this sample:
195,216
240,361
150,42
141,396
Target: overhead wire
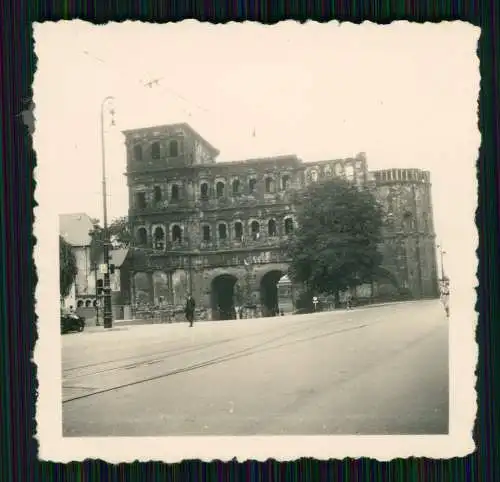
159,85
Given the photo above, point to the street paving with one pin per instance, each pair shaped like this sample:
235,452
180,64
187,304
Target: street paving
374,370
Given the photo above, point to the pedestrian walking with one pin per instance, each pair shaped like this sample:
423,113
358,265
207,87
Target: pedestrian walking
189,310
349,302
445,298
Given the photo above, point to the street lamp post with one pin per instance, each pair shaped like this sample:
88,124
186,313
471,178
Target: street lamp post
441,253
107,310
189,233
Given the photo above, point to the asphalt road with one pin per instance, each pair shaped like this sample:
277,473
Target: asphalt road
378,370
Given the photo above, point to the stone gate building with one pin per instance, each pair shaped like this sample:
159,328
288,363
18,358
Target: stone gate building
207,226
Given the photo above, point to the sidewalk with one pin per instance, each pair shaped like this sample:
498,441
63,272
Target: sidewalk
120,325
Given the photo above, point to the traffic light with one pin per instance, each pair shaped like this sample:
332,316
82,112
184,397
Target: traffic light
100,286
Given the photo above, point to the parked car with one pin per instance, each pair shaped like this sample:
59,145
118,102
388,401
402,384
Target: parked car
72,322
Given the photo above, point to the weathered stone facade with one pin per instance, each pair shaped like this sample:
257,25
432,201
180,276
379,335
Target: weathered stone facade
409,249
226,222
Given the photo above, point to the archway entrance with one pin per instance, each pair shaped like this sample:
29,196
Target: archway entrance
269,292
223,297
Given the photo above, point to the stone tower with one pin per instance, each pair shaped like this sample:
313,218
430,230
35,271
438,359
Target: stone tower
409,248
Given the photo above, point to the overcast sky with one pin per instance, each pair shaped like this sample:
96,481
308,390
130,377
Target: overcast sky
406,94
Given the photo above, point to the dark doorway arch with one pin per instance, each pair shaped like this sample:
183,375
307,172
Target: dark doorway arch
222,297
255,229
173,148
176,234
175,193
142,237
269,292
220,188
238,231
159,238
271,228
204,191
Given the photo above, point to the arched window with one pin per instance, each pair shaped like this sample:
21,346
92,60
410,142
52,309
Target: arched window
338,168
236,186
314,176
271,228
140,200
157,194
238,231
138,153
173,148
349,172
285,182
155,150
269,185
222,231
220,189
88,303
204,191
79,304
288,225
175,192
408,220
328,171
252,186
142,237
159,238
426,221
255,230
176,234
206,234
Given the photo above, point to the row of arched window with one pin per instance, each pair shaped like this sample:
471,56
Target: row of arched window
205,194
172,150
86,303
256,230
237,187
347,170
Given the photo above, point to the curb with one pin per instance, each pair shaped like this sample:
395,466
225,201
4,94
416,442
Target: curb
124,324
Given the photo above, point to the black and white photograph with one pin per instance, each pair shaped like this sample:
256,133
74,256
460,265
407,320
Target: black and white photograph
255,241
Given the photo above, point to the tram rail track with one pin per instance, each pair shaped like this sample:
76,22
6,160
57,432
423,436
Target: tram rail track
131,361
269,344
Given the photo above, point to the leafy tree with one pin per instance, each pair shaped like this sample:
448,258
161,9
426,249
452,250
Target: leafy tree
119,234
67,267
335,246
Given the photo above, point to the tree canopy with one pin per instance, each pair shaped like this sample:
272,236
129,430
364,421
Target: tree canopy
67,267
119,234
335,245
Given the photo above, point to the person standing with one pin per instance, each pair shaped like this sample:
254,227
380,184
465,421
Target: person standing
190,307
349,301
445,297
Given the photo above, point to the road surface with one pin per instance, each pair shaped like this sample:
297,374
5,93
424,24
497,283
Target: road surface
373,370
